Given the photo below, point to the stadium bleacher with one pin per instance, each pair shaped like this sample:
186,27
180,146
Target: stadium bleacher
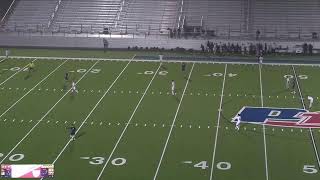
215,13
86,16
30,15
286,17
149,16
239,18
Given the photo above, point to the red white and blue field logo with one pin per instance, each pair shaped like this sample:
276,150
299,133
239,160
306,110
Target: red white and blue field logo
284,117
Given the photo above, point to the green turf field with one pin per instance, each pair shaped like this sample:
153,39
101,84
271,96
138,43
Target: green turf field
130,127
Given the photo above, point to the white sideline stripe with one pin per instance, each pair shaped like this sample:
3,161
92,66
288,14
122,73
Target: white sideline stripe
127,124
45,115
33,88
16,73
173,124
304,107
96,105
218,123
168,61
263,128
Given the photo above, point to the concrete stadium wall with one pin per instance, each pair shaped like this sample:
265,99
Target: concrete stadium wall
123,43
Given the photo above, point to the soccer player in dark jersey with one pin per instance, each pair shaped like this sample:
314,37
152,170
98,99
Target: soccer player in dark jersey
66,76
183,66
73,131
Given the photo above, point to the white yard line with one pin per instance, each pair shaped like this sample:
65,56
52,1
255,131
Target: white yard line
264,129
304,107
15,73
172,125
96,105
33,88
218,123
127,124
45,115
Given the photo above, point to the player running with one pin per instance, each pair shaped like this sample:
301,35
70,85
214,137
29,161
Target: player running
66,76
310,101
173,86
73,131
73,87
183,67
31,66
237,119
288,79
293,85
260,59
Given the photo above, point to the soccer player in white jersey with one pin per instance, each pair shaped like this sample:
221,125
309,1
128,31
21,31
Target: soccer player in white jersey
173,86
237,119
73,87
287,82
310,101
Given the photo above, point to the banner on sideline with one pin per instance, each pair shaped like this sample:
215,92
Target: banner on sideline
27,170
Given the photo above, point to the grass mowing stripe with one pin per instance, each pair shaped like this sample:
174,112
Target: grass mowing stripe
264,128
127,124
173,123
15,73
218,123
304,107
96,105
28,133
33,88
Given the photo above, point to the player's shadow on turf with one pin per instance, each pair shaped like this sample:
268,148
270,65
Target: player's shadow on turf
27,76
186,78
65,87
73,95
177,99
80,135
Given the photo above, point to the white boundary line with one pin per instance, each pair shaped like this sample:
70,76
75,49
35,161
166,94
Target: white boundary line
264,128
172,125
96,105
33,88
127,124
218,122
304,107
168,61
15,73
45,115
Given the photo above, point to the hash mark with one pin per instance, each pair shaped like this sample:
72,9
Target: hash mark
86,158
187,162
